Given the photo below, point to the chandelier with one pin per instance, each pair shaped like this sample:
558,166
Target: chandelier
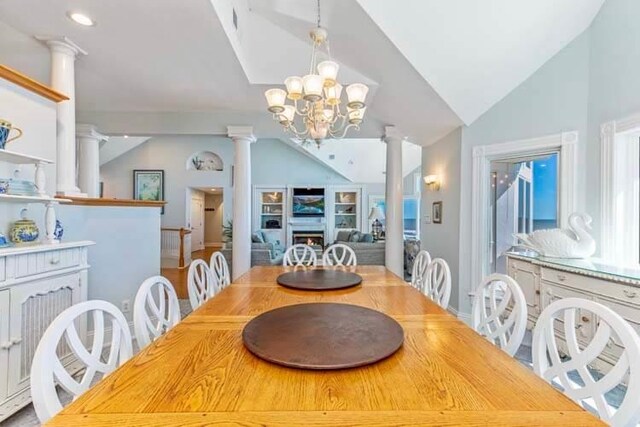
316,98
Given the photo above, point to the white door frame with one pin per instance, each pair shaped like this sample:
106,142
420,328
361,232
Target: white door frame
564,142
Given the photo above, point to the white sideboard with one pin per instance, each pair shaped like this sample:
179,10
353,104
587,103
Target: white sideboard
545,280
36,284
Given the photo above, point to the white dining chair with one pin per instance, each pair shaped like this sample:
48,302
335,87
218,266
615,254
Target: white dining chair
48,371
300,255
500,312
220,269
589,391
419,270
437,282
155,310
339,254
201,285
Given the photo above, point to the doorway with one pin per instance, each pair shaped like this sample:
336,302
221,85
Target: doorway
523,198
213,217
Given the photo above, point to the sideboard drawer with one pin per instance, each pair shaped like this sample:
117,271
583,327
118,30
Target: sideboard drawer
44,262
3,274
561,277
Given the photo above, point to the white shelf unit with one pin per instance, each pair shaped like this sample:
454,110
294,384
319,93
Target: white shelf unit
41,196
270,210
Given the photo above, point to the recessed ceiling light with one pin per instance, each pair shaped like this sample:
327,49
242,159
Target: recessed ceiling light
125,136
82,19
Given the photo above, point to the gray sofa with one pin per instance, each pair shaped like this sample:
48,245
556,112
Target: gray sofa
367,251
261,254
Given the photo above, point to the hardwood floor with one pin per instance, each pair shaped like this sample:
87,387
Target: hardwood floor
178,277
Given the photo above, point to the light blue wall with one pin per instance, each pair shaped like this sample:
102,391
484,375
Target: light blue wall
596,78
442,240
274,163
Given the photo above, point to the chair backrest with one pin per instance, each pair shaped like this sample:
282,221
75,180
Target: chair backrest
47,369
339,254
437,283
300,255
156,310
220,269
419,271
589,390
201,284
500,312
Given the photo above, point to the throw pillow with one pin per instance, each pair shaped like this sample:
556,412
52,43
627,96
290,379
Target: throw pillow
343,236
366,238
355,236
257,237
271,238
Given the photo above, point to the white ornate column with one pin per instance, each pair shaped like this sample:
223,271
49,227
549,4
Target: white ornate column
394,230
63,56
242,137
89,140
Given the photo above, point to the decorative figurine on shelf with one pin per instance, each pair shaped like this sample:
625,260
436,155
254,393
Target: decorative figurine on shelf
4,185
561,243
24,231
58,231
3,241
5,129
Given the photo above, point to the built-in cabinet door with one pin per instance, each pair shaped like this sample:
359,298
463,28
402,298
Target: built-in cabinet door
584,322
33,306
630,313
4,341
526,274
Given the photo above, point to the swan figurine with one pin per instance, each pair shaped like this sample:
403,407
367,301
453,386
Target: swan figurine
560,243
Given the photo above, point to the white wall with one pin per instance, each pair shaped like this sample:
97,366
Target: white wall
127,249
36,116
442,240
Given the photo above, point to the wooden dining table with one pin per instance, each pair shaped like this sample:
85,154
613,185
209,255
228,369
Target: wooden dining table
199,373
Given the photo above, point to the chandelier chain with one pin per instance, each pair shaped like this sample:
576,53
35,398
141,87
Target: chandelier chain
318,13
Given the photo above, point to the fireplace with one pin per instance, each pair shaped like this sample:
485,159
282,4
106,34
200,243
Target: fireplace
313,238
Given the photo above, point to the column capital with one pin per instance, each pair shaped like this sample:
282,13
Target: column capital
391,133
89,131
241,132
63,45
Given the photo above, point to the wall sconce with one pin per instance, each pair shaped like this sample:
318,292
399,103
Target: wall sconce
433,182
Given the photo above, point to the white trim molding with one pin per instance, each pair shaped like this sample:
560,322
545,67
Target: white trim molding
565,143
618,198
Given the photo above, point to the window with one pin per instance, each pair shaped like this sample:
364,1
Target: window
410,217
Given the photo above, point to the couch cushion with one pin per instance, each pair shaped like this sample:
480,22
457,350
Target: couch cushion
355,236
257,237
343,235
366,238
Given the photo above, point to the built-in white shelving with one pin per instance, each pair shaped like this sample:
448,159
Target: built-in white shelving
22,159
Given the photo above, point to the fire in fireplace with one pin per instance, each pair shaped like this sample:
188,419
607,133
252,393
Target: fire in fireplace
311,238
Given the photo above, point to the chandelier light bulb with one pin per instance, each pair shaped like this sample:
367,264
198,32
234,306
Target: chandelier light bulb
356,93
294,87
329,72
356,115
318,132
275,100
333,93
287,115
313,84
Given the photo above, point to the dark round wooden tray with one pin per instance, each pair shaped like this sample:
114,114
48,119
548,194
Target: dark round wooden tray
323,336
319,279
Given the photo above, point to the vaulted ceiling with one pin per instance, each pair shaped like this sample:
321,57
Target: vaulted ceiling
432,65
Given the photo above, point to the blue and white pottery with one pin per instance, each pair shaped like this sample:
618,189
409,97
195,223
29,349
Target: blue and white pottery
24,231
4,186
5,129
58,231
3,241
